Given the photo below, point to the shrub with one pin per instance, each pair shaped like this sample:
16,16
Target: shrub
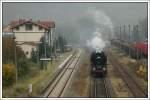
8,74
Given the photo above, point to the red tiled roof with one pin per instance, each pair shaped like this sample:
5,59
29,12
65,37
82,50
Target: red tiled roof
44,24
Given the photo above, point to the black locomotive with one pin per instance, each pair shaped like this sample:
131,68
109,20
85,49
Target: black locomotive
98,63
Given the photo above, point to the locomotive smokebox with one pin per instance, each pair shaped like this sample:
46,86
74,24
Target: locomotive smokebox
98,63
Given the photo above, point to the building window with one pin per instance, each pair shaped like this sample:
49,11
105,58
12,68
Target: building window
29,26
40,28
17,28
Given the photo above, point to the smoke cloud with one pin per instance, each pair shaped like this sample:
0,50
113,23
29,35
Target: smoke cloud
92,28
103,32
96,42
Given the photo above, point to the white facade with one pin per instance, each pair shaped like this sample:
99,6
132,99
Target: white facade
24,35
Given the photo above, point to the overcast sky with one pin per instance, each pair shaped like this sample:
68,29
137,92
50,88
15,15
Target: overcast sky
118,12
70,17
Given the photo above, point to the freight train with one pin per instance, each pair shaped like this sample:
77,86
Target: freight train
135,50
98,63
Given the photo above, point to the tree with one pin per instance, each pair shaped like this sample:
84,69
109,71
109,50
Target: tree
34,55
23,66
61,42
42,47
8,74
8,50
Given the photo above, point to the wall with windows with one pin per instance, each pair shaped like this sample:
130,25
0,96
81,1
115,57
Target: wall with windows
28,32
28,37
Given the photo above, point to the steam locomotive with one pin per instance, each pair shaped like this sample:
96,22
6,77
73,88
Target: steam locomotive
98,63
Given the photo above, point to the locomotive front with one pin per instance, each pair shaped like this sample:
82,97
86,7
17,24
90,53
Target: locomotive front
98,63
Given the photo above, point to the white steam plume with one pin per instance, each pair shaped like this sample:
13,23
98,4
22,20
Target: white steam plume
103,32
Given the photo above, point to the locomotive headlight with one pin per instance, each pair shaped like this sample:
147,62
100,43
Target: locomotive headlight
94,68
104,68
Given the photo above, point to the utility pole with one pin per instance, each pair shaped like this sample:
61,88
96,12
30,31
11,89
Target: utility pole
51,44
137,41
59,44
129,39
118,33
45,44
129,33
124,34
43,62
38,53
120,38
15,57
15,52
137,33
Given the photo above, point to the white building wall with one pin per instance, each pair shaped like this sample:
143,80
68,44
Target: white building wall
28,37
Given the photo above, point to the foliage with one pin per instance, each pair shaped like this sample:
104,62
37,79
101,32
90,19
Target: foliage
9,51
9,74
60,43
42,48
34,55
23,66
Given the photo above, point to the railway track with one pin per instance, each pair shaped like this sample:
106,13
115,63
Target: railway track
100,88
59,84
128,79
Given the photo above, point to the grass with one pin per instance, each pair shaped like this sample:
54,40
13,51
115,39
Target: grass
39,81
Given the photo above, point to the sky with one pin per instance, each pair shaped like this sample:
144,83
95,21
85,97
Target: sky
118,12
78,19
